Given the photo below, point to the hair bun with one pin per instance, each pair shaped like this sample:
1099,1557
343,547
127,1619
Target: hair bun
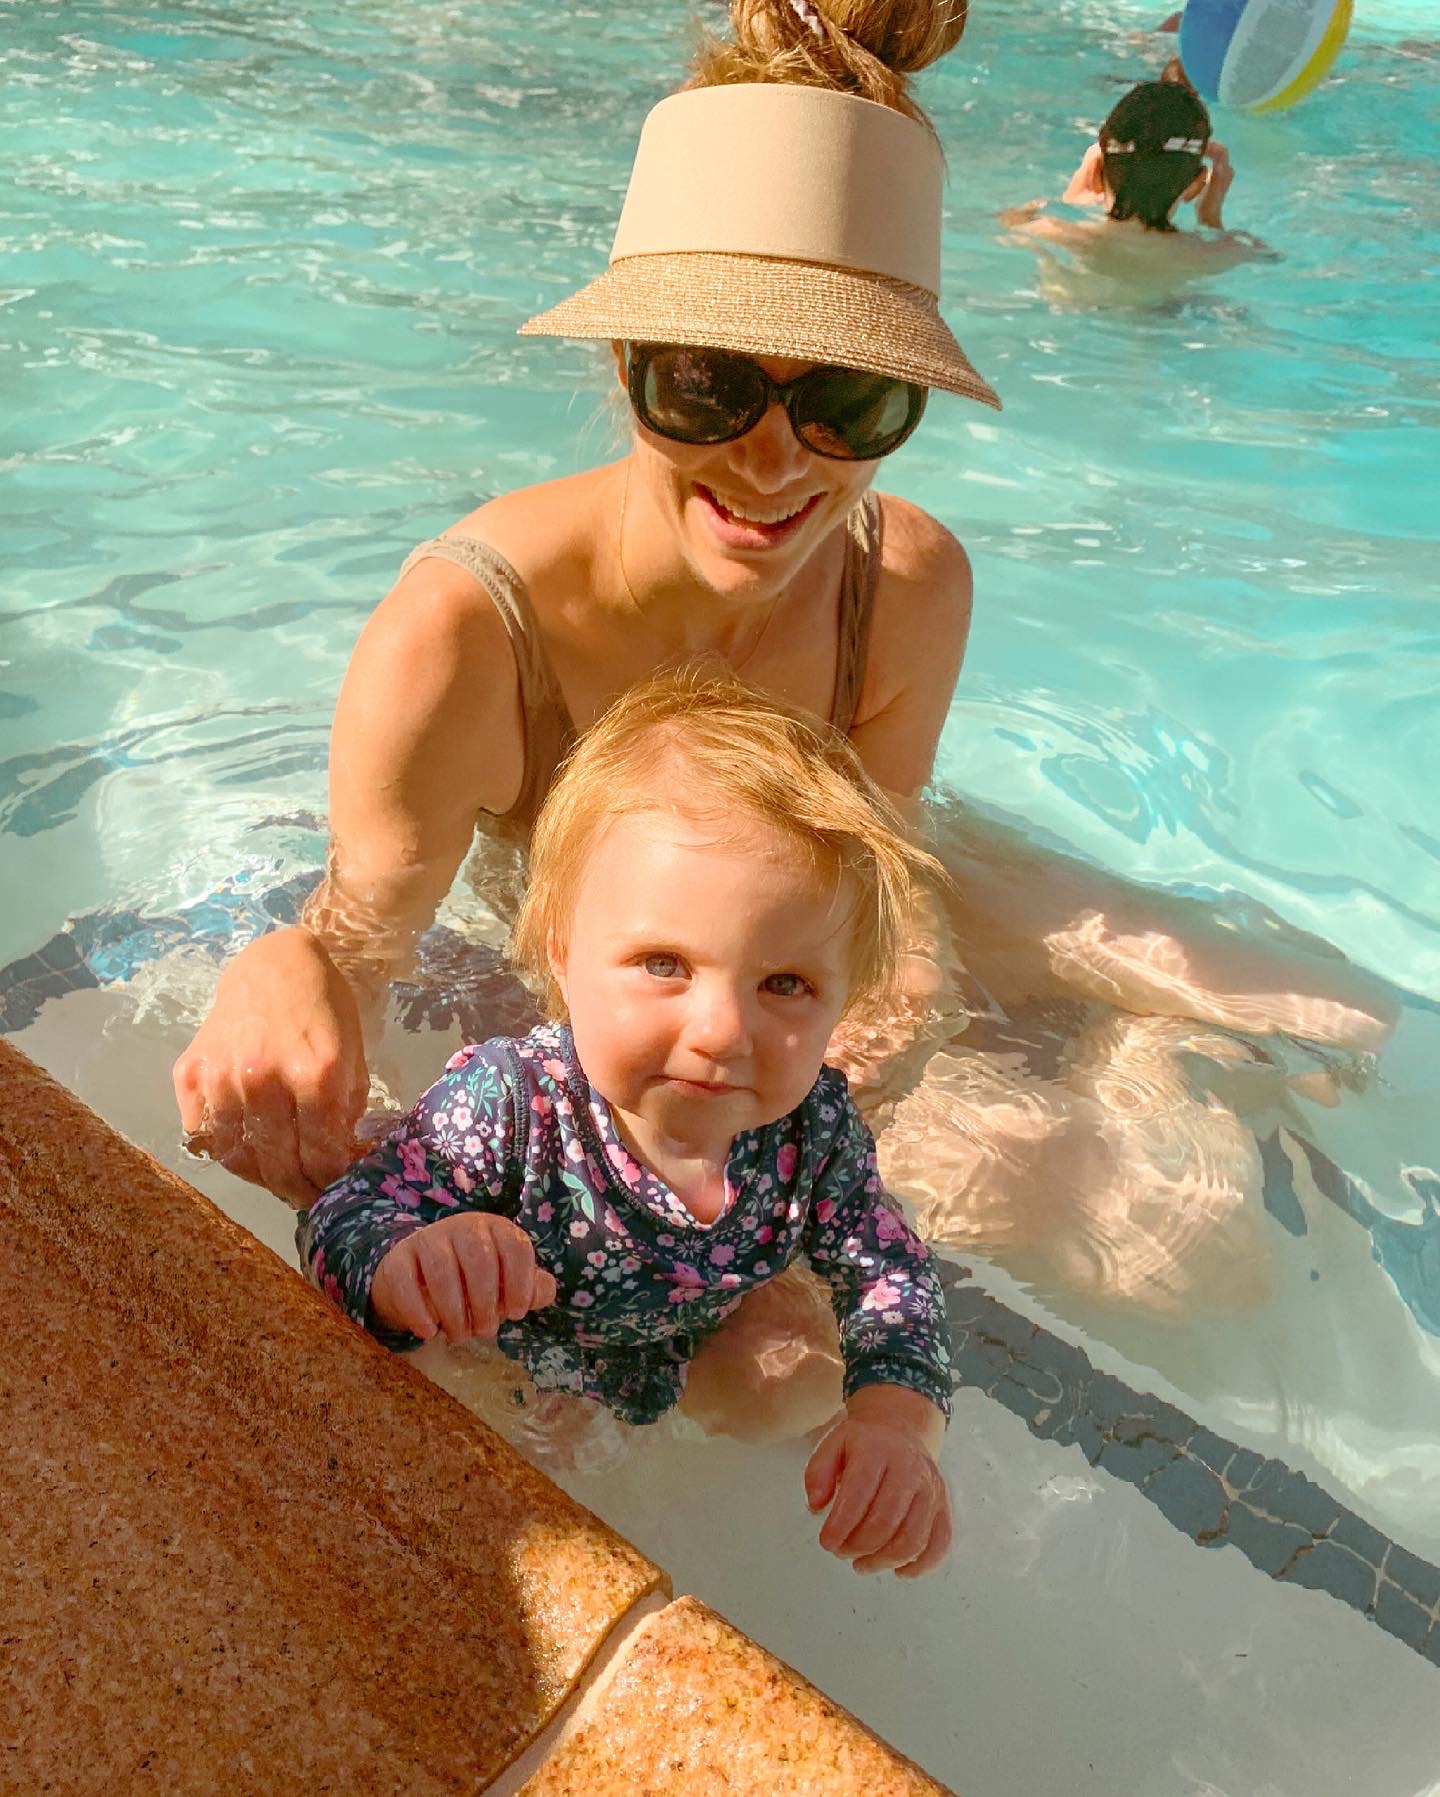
864,47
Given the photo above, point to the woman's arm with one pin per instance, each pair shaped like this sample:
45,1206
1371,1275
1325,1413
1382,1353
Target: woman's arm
918,634
427,734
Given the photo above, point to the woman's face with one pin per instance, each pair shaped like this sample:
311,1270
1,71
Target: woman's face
748,514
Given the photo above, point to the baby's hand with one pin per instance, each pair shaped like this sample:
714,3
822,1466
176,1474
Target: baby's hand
891,1507
464,1275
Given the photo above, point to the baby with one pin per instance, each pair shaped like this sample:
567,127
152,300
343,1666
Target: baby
715,883
1154,152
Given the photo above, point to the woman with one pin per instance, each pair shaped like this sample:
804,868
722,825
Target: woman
772,301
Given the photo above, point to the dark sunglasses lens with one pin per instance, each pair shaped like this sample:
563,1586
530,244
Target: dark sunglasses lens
854,416
698,395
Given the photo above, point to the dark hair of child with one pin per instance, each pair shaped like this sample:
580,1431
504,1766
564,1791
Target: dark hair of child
1152,146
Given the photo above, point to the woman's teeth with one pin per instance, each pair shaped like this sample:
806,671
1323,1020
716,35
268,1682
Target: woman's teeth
752,513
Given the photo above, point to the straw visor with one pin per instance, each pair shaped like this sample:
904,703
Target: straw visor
780,221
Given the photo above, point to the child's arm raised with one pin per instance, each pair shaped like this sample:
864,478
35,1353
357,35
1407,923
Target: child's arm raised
877,1469
1219,179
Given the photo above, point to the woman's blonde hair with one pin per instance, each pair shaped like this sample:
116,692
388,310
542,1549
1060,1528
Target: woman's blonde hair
864,47
700,744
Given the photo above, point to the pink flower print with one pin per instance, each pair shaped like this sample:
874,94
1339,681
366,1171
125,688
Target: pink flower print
687,1284
573,1150
627,1168
630,1264
544,1212
728,1279
721,1254
581,1300
824,1210
579,1227
764,1234
439,1195
472,1145
412,1159
459,1058
666,1241
463,1179
556,1069
540,1105
882,1296
761,1268
461,1115
785,1161
596,1257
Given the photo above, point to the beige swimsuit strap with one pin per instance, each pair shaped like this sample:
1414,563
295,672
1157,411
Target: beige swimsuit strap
865,529
549,731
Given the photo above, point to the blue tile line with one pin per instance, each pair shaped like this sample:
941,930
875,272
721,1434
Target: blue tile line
1213,1490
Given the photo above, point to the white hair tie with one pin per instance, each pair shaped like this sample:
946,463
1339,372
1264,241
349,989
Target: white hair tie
807,16
1192,146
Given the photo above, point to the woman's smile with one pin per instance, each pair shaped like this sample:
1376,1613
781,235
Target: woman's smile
744,523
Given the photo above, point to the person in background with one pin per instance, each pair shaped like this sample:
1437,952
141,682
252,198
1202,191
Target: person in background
1153,154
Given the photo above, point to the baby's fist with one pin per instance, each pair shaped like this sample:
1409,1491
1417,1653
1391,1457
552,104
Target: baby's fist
462,1277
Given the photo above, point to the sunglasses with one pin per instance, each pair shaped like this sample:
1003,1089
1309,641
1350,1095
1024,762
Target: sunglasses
695,395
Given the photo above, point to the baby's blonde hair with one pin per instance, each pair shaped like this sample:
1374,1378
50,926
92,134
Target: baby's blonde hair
740,755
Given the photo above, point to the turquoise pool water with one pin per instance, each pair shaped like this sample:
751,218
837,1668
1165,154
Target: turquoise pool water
260,273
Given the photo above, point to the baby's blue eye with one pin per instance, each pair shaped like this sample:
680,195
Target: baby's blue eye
787,985
662,967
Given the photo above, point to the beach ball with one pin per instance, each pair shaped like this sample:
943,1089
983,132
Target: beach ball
1261,55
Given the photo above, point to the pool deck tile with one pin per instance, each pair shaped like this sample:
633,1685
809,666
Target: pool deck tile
258,1551
695,1706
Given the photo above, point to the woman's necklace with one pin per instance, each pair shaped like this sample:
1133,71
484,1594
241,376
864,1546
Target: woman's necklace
735,663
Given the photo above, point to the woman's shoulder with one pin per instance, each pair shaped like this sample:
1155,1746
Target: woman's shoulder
923,567
543,528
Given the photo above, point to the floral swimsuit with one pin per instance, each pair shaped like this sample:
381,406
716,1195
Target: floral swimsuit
513,1127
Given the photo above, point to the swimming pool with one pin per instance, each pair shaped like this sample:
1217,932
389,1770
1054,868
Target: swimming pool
262,269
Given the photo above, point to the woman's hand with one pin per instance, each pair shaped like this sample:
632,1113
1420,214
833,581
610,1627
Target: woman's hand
889,1504
463,1276
275,1079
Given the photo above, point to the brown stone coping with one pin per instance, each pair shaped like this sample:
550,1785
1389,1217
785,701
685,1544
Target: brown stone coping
691,1705
244,1546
